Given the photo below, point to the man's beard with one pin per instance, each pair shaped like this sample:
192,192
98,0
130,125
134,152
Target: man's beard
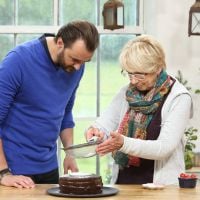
67,68
61,63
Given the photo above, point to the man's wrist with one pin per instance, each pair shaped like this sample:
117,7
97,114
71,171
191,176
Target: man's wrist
67,156
4,172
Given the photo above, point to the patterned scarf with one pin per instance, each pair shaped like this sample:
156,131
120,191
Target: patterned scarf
140,113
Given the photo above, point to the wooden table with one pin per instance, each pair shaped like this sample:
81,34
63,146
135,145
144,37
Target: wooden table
126,192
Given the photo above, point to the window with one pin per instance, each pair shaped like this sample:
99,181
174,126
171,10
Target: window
22,20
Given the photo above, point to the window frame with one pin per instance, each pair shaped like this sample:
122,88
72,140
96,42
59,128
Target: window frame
32,29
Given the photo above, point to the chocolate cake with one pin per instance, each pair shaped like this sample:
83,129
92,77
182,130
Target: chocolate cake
80,183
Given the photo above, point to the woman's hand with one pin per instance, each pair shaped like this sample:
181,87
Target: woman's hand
92,131
114,142
17,181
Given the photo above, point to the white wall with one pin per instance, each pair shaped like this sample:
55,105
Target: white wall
167,20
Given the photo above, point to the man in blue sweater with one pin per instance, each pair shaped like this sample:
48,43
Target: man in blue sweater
38,82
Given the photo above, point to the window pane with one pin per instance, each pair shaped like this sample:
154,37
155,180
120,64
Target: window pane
35,12
6,12
110,48
76,9
130,12
6,44
85,103
26,37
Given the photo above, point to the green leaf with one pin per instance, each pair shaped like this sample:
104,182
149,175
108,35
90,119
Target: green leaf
193,137
197,91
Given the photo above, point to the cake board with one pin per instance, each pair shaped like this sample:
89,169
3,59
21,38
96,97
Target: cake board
106,191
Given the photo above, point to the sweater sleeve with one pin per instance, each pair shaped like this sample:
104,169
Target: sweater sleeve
68,121
10,80
172,131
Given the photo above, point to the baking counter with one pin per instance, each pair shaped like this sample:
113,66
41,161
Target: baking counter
126,192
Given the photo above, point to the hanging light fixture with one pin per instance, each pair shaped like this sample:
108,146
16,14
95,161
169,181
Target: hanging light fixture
113,14
194,19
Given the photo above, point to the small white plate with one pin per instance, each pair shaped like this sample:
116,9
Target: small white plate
153,186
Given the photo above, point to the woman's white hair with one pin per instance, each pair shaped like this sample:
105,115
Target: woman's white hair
143,54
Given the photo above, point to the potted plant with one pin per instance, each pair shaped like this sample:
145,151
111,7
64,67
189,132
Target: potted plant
191,136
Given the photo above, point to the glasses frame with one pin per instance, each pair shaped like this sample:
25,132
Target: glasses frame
137,76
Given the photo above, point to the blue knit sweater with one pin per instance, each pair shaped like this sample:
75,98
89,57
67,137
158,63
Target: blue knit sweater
36,100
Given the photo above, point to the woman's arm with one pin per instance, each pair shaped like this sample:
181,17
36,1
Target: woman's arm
172,131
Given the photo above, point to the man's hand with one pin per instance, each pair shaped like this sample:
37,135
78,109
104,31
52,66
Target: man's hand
17,181
114,142
70,164
90,132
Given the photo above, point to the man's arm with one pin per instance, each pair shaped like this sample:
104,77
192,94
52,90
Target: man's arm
69,163
8,179
3,163
66,137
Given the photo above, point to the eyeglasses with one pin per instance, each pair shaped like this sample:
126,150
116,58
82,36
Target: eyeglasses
138,76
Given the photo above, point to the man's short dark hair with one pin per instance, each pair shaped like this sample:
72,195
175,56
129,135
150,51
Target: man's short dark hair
79,30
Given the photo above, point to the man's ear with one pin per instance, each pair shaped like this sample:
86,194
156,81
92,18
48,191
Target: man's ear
60,42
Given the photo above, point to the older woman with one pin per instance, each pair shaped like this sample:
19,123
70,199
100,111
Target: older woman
144,125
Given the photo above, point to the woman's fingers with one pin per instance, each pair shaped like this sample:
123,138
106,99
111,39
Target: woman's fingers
94,132
105,147
114,142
